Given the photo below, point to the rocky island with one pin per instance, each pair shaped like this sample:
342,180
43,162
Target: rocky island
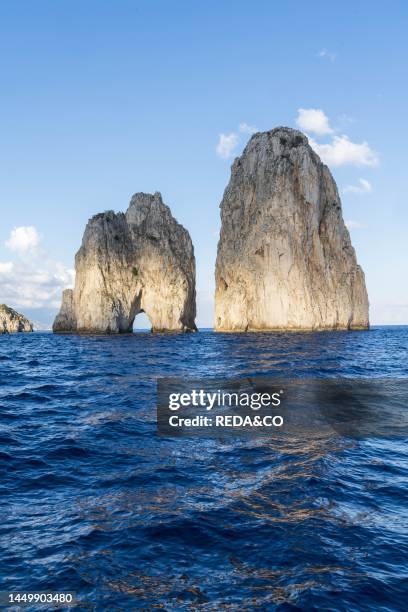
285,259
138,261
11,321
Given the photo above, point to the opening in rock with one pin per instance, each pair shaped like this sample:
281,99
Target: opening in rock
142,323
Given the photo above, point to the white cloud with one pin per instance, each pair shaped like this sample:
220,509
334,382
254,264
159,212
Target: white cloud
247,129
313,120
364,186
6,268
325,54
342,151
354,225
23,239
226,145
34,282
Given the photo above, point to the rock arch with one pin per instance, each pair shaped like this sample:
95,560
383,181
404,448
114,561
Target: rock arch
141,260
142,322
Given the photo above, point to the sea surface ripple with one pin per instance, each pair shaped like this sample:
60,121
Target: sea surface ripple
93,501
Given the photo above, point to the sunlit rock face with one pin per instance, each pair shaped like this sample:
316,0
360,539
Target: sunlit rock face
285,259
11,321
138,261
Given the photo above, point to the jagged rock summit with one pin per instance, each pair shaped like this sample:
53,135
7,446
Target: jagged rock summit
285,259
11,321
138,261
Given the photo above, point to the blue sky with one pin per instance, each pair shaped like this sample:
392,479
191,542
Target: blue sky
101,99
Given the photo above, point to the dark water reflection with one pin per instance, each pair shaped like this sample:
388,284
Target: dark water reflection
91,500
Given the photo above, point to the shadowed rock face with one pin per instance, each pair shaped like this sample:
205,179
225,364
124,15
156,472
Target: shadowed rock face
285,259
11,321
140,261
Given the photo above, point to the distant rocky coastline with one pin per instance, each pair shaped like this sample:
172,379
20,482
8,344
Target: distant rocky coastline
12,322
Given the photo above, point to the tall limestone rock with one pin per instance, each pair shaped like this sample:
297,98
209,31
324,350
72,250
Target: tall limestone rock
11,321
140,261
285,259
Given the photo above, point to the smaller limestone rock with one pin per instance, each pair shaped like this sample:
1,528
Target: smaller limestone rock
11,321
138,261
65,319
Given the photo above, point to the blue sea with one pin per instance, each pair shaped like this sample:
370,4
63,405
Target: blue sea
93,501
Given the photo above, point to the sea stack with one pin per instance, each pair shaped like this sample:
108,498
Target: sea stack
138,261
11,321
285,260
